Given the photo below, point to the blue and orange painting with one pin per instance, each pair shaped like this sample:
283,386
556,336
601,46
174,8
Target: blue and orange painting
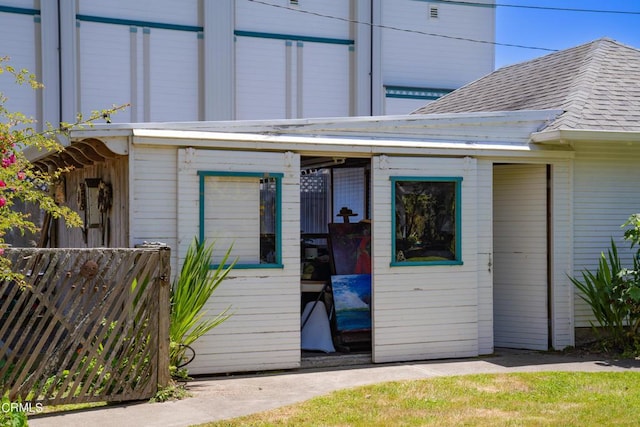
352,300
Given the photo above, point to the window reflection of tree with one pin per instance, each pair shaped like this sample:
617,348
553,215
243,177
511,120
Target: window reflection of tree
425,218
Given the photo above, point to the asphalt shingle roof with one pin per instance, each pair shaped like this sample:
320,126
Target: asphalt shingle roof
597,85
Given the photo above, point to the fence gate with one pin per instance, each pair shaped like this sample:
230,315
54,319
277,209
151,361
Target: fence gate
88,325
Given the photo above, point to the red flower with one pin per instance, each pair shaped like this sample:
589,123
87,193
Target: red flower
3,201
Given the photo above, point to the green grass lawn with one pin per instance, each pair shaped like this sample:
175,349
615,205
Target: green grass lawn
523,399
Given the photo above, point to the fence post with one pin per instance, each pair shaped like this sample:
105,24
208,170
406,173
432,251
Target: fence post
164,293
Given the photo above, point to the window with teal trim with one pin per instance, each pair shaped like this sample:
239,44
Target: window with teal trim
426,220
242,209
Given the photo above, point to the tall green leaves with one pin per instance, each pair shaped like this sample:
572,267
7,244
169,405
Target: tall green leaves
599,291
189,294
613,292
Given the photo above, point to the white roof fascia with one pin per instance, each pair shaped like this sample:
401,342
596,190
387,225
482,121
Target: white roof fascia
564,136
336,145
397,124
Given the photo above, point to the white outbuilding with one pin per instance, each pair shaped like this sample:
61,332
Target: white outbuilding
477,216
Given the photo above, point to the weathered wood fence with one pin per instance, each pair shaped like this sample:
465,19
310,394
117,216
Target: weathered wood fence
88,325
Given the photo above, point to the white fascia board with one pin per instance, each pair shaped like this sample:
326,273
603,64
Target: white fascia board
566,136
347,124
336,145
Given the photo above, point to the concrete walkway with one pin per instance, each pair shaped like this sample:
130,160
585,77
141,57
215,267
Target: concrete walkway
221,398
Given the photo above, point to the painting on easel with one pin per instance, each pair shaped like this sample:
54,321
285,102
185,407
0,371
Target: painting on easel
352,299
350,247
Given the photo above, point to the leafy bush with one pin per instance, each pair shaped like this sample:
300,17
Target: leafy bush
11,416
613,293
190,292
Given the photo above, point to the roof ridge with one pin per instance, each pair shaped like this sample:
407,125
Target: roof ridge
582,86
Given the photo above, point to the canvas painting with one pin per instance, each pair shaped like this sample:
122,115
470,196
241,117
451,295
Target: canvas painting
352,301
350,246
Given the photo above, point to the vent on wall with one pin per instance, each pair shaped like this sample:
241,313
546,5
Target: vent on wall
433,12
293,2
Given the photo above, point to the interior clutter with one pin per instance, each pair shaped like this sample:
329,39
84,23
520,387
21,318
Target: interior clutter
335,256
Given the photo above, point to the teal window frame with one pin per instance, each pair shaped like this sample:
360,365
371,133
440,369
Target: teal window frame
203,174
458,219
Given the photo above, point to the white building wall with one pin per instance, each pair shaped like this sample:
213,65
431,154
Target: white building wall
104,68
484,219
23,52
424,312
325,90
606,175
324,18
562,246
189,60
438,53
145,53
153,197
171,12
263,332
263,95
173,76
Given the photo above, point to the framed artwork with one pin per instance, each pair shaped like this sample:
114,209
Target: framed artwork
350,247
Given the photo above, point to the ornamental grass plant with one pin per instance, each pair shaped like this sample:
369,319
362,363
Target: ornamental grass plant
190,292
613,294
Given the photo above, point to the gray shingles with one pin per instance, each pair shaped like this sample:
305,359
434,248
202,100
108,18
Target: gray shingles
597,85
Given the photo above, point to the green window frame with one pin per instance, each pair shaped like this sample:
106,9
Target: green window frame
270,215
422,212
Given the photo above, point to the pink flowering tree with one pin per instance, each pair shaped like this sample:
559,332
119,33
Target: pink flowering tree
19,178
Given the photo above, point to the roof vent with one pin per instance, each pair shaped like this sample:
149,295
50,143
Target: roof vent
433,12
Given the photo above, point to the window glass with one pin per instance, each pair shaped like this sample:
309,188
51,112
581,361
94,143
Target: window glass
426,221
315,201
241,210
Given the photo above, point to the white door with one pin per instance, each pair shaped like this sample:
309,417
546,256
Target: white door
520,256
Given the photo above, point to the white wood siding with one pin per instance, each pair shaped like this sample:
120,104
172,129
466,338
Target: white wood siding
154,197
326,81
264,330
424,312
253,16
484,218
562,323
520,256
184,12
174,71
21,30
261,78
104,68
157,70
606,193
435,62
394,106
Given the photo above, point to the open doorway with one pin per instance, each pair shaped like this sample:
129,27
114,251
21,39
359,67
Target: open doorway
335,270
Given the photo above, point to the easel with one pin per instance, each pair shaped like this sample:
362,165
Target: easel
346,241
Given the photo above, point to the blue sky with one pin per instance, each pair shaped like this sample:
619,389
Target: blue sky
559,30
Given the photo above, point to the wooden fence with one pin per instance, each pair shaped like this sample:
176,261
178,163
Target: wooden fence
88,325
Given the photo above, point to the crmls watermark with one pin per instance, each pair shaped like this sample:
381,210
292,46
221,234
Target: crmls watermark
26,407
